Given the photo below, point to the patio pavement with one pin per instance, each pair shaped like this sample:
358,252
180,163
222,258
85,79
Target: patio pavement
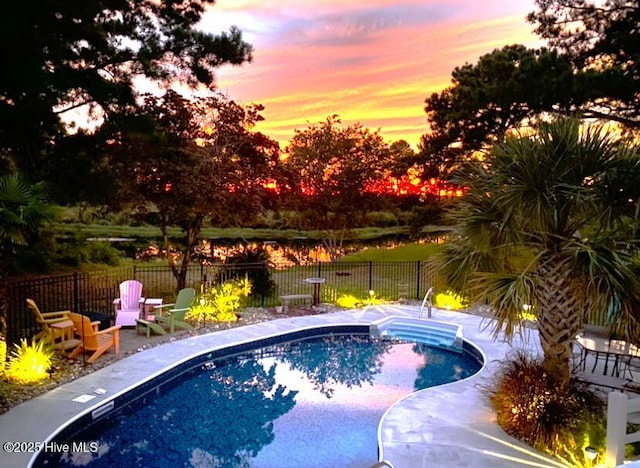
445,426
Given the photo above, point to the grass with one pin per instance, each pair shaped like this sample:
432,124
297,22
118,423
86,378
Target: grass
401,253
147,231
354,275
153,232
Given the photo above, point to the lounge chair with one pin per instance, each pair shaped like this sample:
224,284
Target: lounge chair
57,327
169,316
128,306
91,339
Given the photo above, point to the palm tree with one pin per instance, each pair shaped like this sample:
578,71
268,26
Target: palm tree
22,212
548,223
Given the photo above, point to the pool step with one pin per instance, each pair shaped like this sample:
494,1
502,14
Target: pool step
429,332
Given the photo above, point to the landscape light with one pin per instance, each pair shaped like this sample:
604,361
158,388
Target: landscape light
591,453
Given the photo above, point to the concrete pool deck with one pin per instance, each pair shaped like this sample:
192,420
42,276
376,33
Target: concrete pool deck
449,425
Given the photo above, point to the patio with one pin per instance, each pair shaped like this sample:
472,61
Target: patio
420,430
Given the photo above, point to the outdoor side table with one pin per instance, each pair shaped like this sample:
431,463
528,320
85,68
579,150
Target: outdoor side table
67,341
147,308
316,288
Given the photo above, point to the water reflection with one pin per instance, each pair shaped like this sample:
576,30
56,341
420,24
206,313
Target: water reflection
351,362
223,419
285,403
439,368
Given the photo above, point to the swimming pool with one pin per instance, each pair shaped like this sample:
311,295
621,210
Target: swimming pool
312,402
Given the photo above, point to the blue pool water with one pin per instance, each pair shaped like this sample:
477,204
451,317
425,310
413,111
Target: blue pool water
313,402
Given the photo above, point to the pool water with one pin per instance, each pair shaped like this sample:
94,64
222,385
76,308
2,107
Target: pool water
314,402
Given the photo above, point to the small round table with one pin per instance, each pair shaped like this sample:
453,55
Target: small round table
316,288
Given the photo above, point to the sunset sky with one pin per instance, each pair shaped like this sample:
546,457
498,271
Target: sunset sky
371,62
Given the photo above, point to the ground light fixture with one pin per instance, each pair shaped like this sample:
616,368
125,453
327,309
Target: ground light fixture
591,453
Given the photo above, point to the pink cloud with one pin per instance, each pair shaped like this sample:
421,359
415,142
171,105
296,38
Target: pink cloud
369,62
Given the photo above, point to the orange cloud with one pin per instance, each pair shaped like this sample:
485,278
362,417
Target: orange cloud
369,62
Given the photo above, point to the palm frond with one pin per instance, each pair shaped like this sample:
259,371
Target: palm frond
22,208
508,295
607,270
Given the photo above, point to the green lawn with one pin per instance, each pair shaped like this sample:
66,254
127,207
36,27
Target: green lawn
147,231
112,230
402,253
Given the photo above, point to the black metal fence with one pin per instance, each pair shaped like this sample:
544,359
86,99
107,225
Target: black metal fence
95,291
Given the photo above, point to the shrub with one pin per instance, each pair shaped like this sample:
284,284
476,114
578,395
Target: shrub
381,218
270,219
450,301
3,355
258,272
221,303
423,215
102,252
77,251
30,362
549,415
349,301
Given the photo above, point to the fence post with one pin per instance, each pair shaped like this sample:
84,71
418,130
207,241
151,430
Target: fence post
616,428
134,271
370,275
418,265
319,269
76,293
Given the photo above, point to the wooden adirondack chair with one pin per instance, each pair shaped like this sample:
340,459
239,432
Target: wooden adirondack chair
93,340
172,315
57,327
129,305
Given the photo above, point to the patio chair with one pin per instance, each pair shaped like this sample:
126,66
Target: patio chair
129,305
56,327
172,316
631,364
91,339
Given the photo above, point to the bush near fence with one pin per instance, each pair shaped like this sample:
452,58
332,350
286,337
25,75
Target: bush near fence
95,291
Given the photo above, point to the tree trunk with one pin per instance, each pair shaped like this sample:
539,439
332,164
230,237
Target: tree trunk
167,248
192,233
333,242
559,318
